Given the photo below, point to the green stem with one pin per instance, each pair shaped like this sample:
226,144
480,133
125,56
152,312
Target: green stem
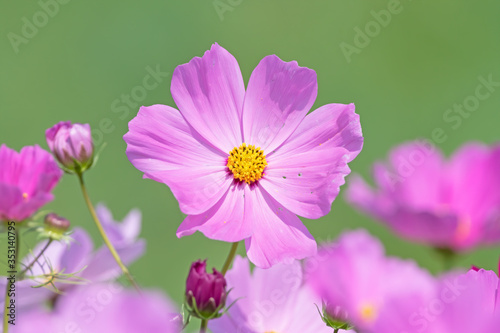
7,287
448,257
24,271
203,327
230,258
336,330
103,233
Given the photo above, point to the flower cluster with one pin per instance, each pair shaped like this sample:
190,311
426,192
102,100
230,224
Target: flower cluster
244,163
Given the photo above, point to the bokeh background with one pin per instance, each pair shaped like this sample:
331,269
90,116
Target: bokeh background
79,63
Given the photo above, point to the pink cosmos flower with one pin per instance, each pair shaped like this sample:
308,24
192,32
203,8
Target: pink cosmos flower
104,308
451,204
241,163
473,305
271,300
375,293
26,181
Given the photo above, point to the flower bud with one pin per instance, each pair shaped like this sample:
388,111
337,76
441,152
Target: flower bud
71,144
205,293
335,317
56,222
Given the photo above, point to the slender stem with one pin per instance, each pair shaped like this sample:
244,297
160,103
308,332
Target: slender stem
448,257
230,258
203,327
23,272
103,234
336,330
7,286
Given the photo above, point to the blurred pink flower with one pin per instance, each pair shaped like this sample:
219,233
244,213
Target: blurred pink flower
103,308
71,144
375,293
26,181
269,300
241,163
79,257
473,305
451,204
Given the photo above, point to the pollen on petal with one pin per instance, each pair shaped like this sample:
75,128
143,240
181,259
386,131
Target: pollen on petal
247,163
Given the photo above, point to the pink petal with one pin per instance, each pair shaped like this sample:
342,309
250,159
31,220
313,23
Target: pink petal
209,92
278,97
162,145
226,220
475,180
306,172
417,171
278,235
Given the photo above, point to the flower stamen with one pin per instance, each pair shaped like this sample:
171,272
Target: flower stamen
247,163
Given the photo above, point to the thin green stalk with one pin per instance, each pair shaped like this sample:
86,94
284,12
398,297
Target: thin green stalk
336,330
448,258
103,234
7,287
203,327
24,271
230,258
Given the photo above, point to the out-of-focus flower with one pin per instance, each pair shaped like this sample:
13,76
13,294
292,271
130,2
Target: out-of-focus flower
72,145
205,293
470,304
120,233
77,258
26,181
451,204
244,164
104,308
372,292
270,300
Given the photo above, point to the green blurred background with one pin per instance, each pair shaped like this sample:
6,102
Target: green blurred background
90,53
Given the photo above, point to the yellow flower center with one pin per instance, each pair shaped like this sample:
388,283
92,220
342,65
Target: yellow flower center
368,312
25,196
247,163
463,229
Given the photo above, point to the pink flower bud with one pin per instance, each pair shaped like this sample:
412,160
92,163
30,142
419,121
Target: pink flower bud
207,290
71,144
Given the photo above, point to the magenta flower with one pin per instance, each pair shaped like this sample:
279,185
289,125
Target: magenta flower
71,144
205,293
374,293
269,300
104,308
241,163
26,181
451,204
472,304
